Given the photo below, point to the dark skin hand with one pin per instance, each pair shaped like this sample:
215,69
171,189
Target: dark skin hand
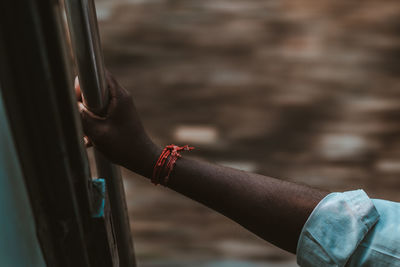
273,209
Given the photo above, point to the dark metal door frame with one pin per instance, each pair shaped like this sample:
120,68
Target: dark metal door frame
36,78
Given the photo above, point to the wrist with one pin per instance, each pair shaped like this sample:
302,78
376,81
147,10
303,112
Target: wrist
144,159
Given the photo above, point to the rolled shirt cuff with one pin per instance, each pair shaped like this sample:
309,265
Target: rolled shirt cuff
335,229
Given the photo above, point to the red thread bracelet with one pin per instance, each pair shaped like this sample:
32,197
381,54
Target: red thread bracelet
166,162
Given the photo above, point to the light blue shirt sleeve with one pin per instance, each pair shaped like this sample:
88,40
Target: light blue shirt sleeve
350,229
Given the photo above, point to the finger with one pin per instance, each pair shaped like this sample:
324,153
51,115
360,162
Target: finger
90,121
87,142
88,113
78,93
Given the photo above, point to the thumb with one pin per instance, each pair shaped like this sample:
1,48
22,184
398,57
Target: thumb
90,121
78,93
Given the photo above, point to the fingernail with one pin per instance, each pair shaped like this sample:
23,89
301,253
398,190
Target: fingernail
76,82
81,106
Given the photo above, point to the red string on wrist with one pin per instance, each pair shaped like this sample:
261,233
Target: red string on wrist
166,162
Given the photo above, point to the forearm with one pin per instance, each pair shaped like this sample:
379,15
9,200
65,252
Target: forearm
273,209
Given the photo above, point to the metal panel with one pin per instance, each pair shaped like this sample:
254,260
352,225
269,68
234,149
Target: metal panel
19,246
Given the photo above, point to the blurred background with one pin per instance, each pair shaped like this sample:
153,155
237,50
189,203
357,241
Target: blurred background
306,91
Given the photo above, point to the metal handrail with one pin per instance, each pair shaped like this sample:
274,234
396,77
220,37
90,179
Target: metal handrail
85,39
82,20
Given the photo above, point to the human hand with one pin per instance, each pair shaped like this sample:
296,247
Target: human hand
119,134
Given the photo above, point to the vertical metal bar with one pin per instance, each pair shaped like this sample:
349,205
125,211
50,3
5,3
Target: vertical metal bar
119,214
85,39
